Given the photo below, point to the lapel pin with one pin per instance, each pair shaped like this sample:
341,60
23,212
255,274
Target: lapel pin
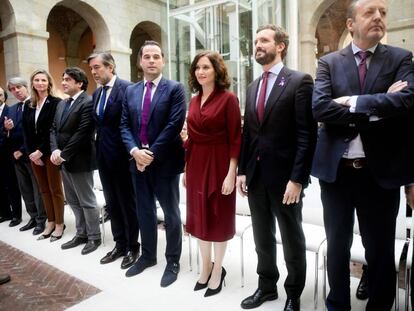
282,81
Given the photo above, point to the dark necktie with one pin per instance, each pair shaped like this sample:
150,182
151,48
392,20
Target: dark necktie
262,97
66,108
19,112
143,137
102,102
362,67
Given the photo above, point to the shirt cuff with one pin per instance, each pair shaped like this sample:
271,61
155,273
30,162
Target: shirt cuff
352,102
132,150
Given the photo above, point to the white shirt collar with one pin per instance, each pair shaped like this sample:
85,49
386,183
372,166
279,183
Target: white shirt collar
76,95
356,49
276,68
156,81
111,82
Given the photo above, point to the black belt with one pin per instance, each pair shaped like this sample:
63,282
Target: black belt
357,163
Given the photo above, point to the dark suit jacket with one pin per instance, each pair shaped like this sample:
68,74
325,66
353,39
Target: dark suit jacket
387,142
74,135
37,135
15,139
166,119
3,132
110,149
285,140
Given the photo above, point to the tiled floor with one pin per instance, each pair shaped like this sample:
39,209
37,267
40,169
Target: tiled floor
143,292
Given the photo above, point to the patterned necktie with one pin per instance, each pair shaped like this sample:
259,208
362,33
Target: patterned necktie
66,108
143,137
19,112
362,67
102,102
262,97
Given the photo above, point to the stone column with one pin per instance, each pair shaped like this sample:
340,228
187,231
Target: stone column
307,54
123,62
25,52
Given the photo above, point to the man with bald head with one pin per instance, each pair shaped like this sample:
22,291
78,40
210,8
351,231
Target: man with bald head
364,98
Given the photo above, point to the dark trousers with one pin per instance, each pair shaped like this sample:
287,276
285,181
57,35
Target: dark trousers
377,210
50,184
266,204
11,205
121,206
165,189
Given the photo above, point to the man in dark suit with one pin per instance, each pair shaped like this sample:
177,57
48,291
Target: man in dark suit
363,98
153,115
24,172
72,146
112,159
278,141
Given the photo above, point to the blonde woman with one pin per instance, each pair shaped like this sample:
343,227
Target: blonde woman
37,121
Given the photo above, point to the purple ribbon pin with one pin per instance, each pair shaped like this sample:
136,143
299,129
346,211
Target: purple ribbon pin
282,81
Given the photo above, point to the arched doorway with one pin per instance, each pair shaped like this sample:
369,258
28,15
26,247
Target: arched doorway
331,27
75,31
143,31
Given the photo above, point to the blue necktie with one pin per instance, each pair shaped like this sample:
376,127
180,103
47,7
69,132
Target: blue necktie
102,102
66,108
143,137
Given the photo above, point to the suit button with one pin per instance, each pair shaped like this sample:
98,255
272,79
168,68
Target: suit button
351,124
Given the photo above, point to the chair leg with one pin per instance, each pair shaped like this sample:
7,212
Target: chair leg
242,260
324,282
397,292
407,289
190,253
101,212
198,258
315,292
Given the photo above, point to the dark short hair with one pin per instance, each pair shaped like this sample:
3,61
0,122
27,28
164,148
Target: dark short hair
281,36
5,93
78,75
106,57
147,43
222,80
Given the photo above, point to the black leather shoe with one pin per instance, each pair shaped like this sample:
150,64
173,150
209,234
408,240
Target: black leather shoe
362,289
129,259
170,274
39,228
14,222
30,225
258,298
90,246
112,255
74,242
4,278
292,304
3,219
140,266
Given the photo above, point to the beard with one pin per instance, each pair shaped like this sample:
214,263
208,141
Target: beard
267,58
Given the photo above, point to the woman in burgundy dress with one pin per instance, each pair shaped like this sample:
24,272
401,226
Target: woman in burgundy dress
213,145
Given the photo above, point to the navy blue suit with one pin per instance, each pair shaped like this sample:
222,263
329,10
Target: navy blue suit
161,178
113,166
374,189
11,204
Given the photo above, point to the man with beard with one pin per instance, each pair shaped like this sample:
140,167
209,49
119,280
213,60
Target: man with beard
279,137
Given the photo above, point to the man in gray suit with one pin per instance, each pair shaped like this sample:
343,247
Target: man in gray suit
72,145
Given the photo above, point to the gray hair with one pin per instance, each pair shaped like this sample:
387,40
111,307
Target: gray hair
17,81
107,59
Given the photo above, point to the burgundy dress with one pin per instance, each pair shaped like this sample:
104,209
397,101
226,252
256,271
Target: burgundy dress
214,135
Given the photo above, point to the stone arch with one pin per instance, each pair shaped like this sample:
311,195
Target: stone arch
75,30
7,23
143,31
